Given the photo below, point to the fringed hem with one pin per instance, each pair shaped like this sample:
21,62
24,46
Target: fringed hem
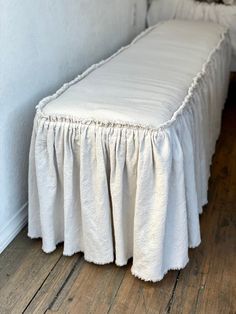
138,274
154,280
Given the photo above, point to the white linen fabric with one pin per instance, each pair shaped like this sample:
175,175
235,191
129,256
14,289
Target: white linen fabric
229,2
225,15
120,156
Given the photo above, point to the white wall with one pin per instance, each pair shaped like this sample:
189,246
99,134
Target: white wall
44,43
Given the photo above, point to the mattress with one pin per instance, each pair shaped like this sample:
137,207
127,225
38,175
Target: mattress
120,156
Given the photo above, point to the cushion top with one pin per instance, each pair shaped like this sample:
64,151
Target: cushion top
145,83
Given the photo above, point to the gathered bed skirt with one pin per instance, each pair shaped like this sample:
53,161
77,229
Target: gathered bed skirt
121,189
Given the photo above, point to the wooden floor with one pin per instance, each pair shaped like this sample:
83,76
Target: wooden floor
33,282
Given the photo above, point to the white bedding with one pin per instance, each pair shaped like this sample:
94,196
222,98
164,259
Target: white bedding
161,10
120,157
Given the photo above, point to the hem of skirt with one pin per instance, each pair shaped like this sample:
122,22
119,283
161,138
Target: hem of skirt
149,279
134,272
137,274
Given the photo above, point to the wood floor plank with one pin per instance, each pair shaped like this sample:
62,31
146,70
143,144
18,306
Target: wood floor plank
23,269
136,296
92,290
54,284
208,284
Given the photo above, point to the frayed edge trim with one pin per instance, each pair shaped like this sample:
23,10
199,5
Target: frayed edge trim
177,267
147,279
110,261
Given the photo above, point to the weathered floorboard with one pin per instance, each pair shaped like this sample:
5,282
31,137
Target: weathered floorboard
136,296
53,284
92,290
23,269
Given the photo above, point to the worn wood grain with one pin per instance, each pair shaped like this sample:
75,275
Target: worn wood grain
54,284
24,267
92,291
136,296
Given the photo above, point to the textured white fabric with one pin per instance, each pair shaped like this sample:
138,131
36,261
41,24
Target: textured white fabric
161,10
132,188
229,2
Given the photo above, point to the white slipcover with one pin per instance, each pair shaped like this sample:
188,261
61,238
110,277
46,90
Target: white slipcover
120,156
225,15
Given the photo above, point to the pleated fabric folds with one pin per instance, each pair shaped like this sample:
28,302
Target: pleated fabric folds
119,190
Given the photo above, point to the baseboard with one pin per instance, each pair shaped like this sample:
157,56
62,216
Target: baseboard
13,227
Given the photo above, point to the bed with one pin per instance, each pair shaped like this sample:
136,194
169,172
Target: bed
120,156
